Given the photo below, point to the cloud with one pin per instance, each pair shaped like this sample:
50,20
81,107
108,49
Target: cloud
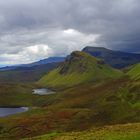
65,25
28,54
26,48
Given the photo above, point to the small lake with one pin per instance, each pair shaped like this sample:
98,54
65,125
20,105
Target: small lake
10,111
42,91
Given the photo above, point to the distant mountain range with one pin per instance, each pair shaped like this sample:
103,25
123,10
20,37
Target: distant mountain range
46,61
41,62
26,74
29,72
116,59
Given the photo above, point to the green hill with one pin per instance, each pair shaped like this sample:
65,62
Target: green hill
79,68
134,72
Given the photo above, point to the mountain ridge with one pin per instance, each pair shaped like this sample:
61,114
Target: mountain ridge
116,59
37,63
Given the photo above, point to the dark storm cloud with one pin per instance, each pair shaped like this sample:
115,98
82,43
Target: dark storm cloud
25,23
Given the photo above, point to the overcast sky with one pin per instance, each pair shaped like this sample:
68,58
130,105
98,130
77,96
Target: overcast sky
31,30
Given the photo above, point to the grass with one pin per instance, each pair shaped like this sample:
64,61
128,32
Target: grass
49,136
13,94
134,72
115,132
80,68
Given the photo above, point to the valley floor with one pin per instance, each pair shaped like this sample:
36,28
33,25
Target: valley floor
84,112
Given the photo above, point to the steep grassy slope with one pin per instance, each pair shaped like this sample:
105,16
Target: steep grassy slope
79,68
134,72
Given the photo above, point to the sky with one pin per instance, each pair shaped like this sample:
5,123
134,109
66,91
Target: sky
31,30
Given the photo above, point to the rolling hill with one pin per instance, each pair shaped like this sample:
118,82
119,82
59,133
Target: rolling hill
79,68
116,59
